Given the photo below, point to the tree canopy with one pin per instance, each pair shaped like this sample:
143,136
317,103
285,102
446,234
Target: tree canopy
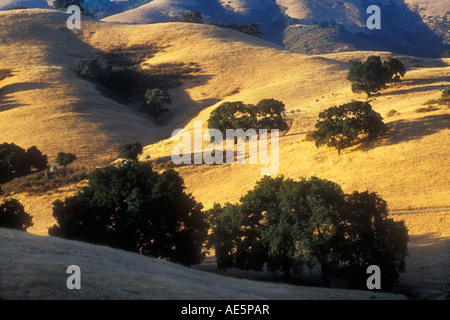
340,127
130,151
16,162
266,114
14,216
289,224
372,75
154,102
190,16
64,158
134,208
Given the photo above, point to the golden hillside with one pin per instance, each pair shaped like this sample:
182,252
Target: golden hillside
45,104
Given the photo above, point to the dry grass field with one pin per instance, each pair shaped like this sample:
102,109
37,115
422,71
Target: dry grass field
45,104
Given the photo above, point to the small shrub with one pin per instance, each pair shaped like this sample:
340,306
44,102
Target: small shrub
88,68
391,113
426,109
446,93
154,101
130,151
64,159
431,101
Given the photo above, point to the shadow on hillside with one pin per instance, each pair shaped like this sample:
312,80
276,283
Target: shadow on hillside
427,273
7,103
404,31
427,84
408,130
66,46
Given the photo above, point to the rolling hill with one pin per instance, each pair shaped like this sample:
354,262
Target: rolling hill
37,271
43,4
44,103
411,27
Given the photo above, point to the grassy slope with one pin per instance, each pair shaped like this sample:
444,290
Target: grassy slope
36,269
57,111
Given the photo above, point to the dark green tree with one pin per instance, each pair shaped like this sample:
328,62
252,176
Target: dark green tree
251,29
191,17
16,162
445,54
64,4
154,102
64,159
130,151
396,69
36,160
238,115
340,127
232,115
88,68
135,208
370,76
446,93
371,238
13,215
270,114
288,224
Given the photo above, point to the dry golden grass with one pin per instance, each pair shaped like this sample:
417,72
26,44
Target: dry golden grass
57,111
45,104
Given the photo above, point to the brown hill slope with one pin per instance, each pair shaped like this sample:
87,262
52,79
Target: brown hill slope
45,104
34,267
57,111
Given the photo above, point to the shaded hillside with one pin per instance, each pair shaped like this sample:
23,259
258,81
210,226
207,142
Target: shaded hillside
34,267
408,28
314,40
8,4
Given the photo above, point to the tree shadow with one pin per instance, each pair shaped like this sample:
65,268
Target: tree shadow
426,84
7,103
117,122
408,130
427,273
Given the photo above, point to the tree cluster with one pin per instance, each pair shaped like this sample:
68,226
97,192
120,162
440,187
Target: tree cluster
196,17
134,208
266,114
155,99
286,225
64,4
124,83
332,24
372,75
250,29
14,216
16,162
342,126
190,17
